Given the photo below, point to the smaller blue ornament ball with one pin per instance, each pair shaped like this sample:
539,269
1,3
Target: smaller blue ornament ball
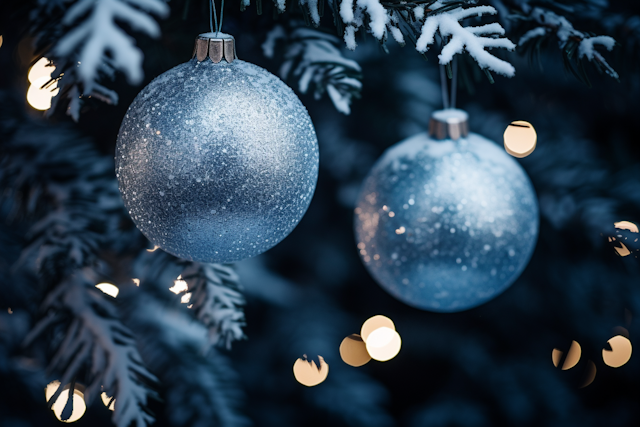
446,225
216,162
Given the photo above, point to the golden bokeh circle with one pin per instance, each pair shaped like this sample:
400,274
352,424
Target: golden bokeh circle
373,323
308,373
520,139
383,344
353,351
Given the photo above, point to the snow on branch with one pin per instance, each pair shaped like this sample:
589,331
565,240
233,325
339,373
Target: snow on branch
74,210
216,301
202,390
423,22
549,23
313,58
95,346
93,44
473,40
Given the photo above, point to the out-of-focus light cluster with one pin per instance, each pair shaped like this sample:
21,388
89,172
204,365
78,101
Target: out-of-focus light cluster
109,289
378,340
308,373
79,405
620,248
39,97
520,139
617,355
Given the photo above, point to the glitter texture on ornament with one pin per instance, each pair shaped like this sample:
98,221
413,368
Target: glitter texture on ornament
216,162
446,225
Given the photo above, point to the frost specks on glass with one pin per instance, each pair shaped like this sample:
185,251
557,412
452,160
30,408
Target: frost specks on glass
216,162
446,225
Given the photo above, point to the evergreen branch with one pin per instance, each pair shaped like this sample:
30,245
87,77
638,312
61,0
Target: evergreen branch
216,301
570,41
312,57
86,42
98,347
201,389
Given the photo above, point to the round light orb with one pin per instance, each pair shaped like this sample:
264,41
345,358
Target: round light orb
40,97
373,323
446,225
520,139
216,162
620,352
107,401
79,405
353,351
572,359
383,344
308,373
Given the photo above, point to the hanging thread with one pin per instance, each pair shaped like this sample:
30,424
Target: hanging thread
213,14
443,86
454,83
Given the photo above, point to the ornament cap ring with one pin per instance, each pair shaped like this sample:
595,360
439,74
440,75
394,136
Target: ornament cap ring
216,47
450,123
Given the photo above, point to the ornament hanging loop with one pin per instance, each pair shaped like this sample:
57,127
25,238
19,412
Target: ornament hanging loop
213,14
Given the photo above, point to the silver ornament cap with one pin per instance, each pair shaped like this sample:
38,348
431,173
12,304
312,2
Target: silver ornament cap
450,123
216,47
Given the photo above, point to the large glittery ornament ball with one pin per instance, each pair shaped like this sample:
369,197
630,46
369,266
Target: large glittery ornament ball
446,225
216,162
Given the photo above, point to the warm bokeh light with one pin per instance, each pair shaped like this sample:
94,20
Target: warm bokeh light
520,139
9,310
106,399
572,359
79,406
186,298
179,286
353,351
109,289
374,323
39,70
1,41
40,97
136,282
308,373
383,344
626,225
154,249
590,375
620,352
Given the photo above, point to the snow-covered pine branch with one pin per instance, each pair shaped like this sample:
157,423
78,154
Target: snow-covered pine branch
473,40
216,301
570,40
313,58
66,190
420,22
201,390
90,44
94,347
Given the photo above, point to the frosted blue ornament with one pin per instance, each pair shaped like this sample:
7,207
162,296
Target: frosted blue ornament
216,159
446,225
